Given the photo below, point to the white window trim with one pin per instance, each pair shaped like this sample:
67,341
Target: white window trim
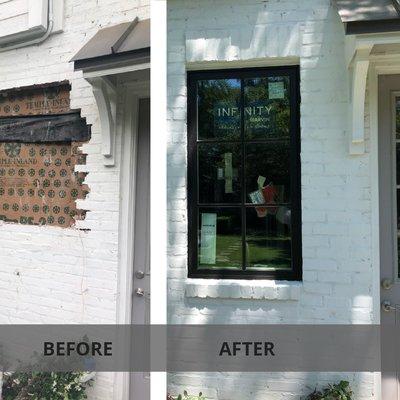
243,289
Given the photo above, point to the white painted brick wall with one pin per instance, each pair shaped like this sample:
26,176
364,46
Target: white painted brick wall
49,274
336,202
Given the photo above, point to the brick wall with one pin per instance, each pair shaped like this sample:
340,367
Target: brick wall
336,203
49,274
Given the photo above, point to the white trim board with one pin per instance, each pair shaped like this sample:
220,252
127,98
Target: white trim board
359,58
394,95
117,70
254,63
158,189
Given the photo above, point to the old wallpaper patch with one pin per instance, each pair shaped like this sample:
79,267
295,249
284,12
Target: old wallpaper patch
38,184
35,100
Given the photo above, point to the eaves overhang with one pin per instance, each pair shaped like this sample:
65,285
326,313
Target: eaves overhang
372,36
117,46
369,16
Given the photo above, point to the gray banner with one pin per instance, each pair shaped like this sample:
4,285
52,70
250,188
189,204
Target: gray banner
248,348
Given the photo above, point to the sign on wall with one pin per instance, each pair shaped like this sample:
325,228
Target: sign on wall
45,99
39,149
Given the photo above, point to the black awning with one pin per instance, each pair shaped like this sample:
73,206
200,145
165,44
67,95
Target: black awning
369,16
116,45
42,129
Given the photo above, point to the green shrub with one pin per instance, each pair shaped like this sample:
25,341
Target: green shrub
44,386
338,391
186,396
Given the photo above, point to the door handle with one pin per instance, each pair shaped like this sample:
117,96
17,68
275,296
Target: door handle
387,284
139,274
139,292
387,306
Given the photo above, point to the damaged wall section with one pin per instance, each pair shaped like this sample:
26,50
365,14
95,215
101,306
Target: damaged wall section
40,138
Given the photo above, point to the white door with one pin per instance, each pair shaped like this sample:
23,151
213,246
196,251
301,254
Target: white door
140,381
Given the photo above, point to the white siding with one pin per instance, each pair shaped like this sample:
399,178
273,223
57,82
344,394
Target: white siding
14,16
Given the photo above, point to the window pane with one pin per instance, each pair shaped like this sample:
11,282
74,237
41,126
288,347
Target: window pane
267,173
219,109
220,238
268,238
219,173
267,108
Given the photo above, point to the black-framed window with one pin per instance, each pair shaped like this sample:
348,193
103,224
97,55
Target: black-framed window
244,210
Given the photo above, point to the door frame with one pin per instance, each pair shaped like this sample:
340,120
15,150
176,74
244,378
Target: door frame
376,69
127,131
393,95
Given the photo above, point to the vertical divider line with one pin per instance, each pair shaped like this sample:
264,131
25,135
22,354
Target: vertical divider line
243,179
158,190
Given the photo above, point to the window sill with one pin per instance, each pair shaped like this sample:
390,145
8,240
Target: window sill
239,289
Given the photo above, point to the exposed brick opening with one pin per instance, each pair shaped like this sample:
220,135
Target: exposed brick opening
40,138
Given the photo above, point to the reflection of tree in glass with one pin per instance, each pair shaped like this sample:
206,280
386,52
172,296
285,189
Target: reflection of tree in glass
268,242
212,173
219,96
271,161
266,116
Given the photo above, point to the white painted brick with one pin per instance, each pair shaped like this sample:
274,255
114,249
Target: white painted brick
336,196
62,269
334,277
